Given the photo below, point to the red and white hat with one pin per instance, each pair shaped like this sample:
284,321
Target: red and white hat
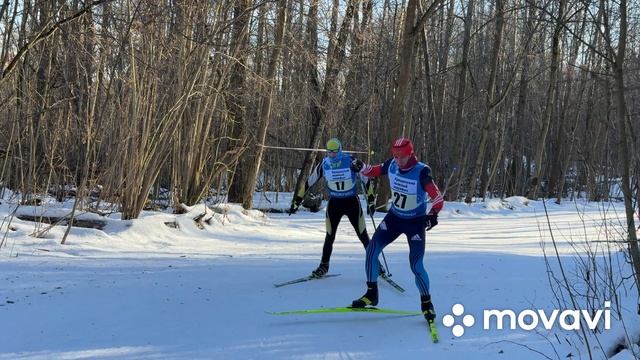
402,148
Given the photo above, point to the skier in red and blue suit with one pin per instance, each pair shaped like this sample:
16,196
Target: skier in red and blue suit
410,182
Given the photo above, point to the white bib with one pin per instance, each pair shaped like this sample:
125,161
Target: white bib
339,179
404,192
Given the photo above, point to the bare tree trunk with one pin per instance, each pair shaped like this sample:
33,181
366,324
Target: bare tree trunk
353,81
406,56
311,72
447,20
550,102
458,135
319,112
563,140
235,100
478,169
41,35
497,159
522,116
265,109
429,88
435,84
625,134
10,23
333,27
85,108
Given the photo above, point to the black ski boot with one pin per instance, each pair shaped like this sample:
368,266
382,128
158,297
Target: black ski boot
321,271
370,298
427,308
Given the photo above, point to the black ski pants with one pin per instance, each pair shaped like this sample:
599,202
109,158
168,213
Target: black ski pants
336,209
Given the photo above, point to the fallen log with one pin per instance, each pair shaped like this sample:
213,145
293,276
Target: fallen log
82,223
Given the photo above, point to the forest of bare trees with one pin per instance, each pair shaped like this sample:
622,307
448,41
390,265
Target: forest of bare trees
119,103
123,99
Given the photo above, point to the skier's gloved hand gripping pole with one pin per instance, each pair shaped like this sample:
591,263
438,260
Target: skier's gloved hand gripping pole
356,166
430,221
295,203
432,218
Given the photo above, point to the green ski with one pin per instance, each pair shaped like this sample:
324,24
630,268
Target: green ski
345,310
434,331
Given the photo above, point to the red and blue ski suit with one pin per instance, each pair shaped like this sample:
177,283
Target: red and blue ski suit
409,189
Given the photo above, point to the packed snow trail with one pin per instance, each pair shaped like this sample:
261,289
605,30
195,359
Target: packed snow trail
140,289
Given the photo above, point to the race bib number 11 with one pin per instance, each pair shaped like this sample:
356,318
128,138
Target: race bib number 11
339,179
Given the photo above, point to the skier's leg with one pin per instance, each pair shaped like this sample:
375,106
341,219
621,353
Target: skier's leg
416,239
356,218
332,219
416,256
383,236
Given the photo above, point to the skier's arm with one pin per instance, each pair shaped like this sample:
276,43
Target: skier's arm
376,170
437,201
430,187
316,174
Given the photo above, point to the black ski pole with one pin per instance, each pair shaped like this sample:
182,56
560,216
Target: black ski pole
386,266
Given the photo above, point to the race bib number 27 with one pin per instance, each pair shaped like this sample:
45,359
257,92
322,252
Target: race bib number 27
404,193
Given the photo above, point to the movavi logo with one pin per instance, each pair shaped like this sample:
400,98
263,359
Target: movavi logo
529,319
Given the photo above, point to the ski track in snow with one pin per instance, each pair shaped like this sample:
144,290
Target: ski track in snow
140,289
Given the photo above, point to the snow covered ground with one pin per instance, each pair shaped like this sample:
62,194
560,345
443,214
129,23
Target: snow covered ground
142,289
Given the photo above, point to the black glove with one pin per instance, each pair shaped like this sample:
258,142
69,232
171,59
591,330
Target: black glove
356,165
295,204
430,221
371,205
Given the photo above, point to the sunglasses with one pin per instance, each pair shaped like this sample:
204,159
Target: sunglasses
332,151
